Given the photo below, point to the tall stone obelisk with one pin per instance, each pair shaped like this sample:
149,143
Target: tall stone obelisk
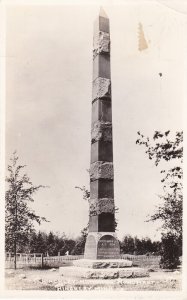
102,251
101,242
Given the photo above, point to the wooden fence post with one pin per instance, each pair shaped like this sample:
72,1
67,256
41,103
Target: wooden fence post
42,260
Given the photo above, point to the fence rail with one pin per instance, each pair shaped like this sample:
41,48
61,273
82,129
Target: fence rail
63,258
38,260
140,257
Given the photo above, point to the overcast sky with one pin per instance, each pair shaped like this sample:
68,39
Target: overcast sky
48,96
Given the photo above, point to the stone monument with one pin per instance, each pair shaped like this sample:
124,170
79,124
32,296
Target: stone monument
101,242
102,251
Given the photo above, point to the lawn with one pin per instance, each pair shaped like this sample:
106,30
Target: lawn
50,279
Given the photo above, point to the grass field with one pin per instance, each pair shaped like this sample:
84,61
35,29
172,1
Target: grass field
50,279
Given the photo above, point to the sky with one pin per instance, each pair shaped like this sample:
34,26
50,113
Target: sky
48,104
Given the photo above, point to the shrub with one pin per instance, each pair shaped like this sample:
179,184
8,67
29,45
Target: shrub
170,252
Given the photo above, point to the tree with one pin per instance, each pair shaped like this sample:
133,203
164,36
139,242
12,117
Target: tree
69,245
51,243
55,244
38,242
85,191
19,217
80,242
162,148
170,251
134,245
33,243
127,244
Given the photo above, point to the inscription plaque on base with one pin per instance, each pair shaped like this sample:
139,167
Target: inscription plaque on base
108,247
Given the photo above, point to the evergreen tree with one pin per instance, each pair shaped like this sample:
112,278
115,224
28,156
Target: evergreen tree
127,244
33,243
41,243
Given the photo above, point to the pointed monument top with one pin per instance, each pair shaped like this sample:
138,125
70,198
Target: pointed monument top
102,22
102,13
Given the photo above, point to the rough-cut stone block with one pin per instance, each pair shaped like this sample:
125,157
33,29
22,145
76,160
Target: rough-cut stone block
78,272
101,66
102,189
101,88
101,111
101,151
133,273
102,264
97,207
101,43
101,131
100,169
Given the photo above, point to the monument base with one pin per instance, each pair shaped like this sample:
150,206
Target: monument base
102,245
103,269
102,264
109,273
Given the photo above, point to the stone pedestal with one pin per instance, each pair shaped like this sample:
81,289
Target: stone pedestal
102,245
102,269
102,264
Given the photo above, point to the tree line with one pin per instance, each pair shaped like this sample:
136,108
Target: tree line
50,244
53,244
20,218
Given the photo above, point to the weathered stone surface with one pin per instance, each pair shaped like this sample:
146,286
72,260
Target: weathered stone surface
101,131
101,43
133,273
93,224
101,24
89,273
101,151
102,189
102,264
101,217
102,205
98,235
101,111
90,250
100,169
101,67
101,88
103,243
103,274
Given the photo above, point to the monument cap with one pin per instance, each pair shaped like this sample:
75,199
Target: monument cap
102,13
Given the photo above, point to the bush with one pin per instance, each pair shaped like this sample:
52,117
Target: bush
170,252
